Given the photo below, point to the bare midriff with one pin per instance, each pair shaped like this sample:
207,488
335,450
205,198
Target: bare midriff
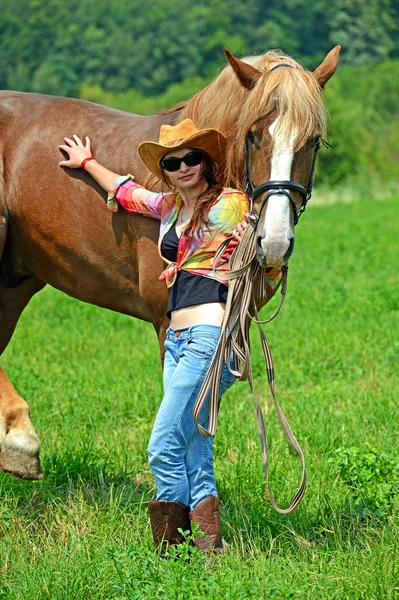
211,313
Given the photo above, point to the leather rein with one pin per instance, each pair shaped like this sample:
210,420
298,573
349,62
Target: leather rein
246,278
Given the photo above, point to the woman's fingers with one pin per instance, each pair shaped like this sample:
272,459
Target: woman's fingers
236,235
239,230
76,150
70,142
78,140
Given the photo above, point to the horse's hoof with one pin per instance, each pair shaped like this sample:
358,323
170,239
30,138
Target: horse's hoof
20,465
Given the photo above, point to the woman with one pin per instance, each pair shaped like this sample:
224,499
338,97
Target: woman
197,214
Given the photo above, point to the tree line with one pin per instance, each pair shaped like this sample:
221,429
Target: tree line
146,56
53,46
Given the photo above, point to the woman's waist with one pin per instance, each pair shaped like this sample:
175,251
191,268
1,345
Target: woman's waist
211,313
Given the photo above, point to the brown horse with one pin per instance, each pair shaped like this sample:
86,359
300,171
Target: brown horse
55,227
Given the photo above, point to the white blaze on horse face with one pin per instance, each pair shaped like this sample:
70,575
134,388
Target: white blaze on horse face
278,229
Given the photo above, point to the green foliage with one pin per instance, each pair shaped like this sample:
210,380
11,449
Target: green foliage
134,101
145,56
148,46
364,126
367,30
372,477
118,45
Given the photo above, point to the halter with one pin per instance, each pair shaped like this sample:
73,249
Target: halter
280,187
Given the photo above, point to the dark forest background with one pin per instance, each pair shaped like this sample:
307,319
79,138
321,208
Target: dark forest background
144,56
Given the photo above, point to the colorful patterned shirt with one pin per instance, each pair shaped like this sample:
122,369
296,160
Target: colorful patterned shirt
196,253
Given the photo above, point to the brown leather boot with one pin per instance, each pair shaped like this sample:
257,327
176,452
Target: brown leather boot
166,518
206,516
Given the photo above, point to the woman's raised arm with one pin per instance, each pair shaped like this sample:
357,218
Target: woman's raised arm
78,153
131,196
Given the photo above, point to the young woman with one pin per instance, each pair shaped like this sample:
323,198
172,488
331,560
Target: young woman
196,216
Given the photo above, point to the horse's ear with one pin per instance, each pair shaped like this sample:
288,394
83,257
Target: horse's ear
246,74
328,67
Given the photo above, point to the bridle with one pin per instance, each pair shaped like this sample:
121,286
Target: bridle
280,187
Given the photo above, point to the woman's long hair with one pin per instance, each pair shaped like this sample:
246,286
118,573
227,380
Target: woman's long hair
206,199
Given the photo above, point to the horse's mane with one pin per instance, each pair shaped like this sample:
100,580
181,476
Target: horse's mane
175,108
226,105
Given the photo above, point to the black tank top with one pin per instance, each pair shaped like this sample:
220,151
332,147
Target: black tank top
189,289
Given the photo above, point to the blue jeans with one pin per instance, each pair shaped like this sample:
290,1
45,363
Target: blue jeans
180,458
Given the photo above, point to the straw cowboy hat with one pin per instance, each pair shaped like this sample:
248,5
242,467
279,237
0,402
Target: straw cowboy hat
183,135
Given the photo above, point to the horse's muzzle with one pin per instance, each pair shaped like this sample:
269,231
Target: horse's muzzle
274,259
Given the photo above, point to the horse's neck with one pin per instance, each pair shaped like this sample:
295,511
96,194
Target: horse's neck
198,108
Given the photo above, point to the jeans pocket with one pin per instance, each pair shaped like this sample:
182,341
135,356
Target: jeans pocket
202,347
168,345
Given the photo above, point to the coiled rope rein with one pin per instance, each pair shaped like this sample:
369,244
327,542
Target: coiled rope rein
246,280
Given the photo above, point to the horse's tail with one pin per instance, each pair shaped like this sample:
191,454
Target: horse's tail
3,208
3,229
9,275
7,279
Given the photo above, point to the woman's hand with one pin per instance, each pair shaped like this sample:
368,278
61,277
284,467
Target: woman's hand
239,231
76,151
236,237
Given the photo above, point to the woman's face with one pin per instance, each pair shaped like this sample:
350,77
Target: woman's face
185,177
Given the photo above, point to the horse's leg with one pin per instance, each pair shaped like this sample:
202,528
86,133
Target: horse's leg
19,444
161,326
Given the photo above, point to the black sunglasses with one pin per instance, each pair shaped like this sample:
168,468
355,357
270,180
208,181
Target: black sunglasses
191,159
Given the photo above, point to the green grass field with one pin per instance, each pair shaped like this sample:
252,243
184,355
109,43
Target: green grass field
93,381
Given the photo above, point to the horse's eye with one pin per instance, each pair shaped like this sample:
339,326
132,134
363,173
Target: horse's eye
251,137
315,141
254,139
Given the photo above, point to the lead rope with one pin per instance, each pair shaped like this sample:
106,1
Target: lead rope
244,275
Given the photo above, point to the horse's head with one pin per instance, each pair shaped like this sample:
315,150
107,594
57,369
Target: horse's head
271,110
278,130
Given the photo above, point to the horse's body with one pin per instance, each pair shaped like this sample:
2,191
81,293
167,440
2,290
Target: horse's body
55,227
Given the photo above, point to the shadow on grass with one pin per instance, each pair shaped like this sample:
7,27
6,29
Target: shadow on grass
94,475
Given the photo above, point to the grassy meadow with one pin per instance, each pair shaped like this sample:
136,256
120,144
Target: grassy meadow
93,381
